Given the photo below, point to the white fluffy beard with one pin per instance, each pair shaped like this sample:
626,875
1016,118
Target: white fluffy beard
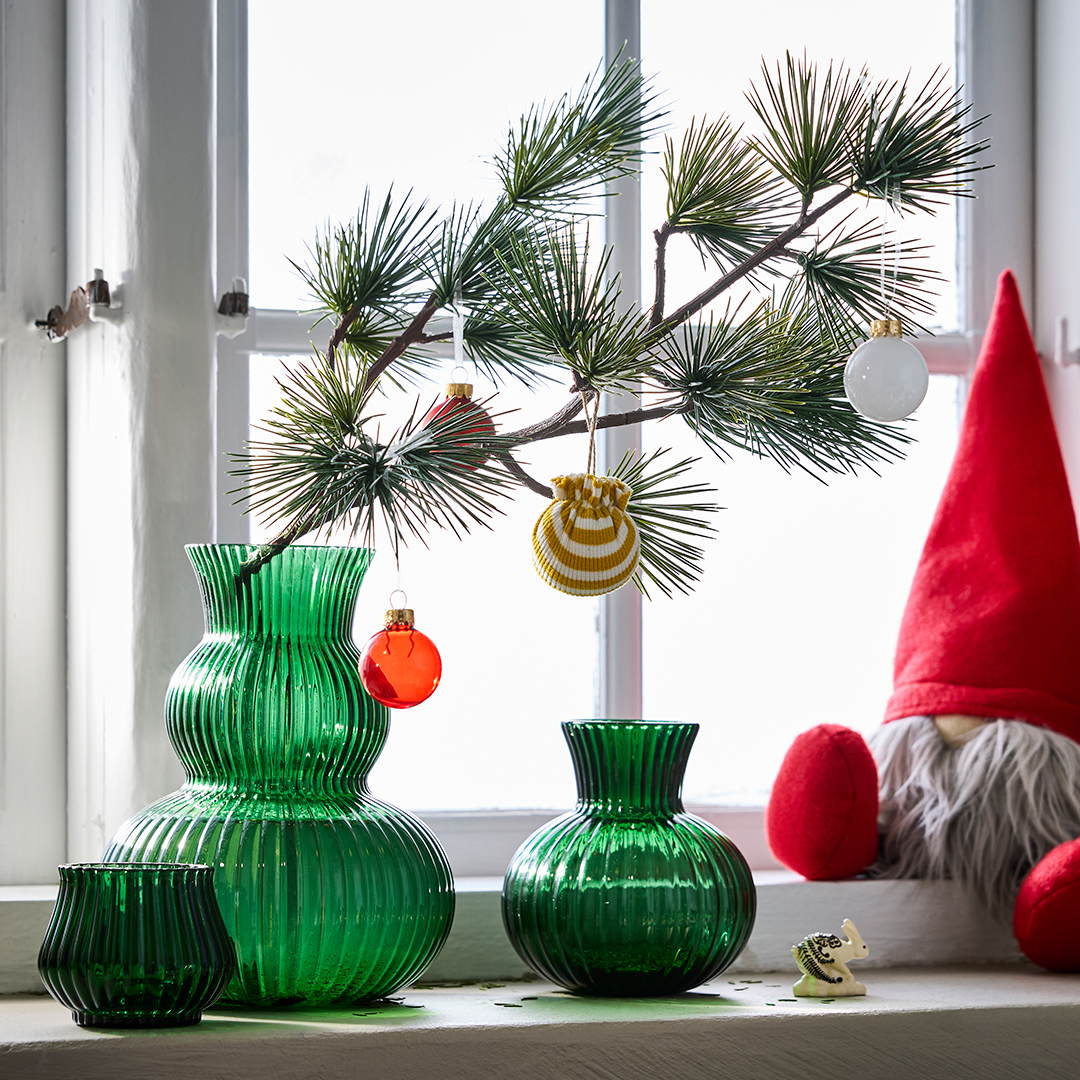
983,812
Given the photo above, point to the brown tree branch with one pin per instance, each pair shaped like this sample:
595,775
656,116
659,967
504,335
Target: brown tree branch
549,428
657,315
625,419
763,254
410,336
562,423
338,336
515,470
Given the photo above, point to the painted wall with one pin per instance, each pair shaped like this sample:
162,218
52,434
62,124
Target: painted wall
140,439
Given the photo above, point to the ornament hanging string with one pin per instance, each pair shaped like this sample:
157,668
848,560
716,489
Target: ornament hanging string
892,202
458,323
590,461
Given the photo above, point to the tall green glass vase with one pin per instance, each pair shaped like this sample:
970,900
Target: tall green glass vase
328,893
628,895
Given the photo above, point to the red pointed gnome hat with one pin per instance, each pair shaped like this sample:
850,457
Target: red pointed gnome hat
992,624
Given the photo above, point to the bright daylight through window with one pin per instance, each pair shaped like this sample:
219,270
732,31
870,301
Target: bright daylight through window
795,618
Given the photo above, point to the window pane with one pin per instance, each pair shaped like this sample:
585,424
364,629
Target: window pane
781,640
795,620
430,100
706,71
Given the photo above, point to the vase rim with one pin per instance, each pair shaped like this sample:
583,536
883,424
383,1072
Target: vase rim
299,547
612,721
134,866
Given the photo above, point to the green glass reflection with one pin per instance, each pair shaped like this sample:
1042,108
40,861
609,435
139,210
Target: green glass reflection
628,894
329,893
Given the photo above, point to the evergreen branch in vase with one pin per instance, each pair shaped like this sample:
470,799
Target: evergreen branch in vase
321,465
766,377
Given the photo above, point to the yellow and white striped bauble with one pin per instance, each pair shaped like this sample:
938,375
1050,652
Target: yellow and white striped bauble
585,542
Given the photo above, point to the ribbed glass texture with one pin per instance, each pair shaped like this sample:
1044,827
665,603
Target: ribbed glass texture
136,945
628,894
329,893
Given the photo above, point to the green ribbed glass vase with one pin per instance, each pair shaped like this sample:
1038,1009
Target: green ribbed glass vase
136,945
628,895
328,893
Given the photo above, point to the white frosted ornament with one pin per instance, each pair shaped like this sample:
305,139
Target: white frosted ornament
886,378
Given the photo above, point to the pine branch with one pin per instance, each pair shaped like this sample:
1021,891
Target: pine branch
567,309
720,192
369,263
772,384
769,383
808,129
556,157
666,521
321,465
775,247
916,148
841,279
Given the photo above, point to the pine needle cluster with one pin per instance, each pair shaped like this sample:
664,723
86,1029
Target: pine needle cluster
539,302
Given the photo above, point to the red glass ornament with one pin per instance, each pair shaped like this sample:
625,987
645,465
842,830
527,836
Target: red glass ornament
400,667
459,397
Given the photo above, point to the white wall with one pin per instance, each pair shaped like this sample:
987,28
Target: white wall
141,128
1057,216
32,662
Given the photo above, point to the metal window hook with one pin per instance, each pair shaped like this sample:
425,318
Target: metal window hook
233,311
1063,355
104,307
91,302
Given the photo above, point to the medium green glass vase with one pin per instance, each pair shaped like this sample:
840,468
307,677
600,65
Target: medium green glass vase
136,945
628,895
329,894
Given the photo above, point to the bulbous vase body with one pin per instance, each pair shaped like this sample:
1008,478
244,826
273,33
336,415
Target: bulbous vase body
628,894
133,945
328,893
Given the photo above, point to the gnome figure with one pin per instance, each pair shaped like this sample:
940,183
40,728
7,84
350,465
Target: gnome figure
975,774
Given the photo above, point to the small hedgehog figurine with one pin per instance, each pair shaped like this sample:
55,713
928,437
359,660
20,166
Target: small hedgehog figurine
822,958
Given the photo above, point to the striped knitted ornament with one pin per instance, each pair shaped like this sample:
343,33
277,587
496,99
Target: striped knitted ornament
585,542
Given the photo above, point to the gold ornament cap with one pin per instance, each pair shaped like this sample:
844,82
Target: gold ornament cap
886,328
459,389
400,616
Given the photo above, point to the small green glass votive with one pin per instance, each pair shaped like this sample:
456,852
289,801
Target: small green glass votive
136,944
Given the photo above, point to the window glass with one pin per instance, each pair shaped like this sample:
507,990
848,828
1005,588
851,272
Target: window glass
797,613
795,620
425,105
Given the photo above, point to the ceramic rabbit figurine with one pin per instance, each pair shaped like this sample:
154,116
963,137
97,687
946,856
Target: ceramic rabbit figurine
822,958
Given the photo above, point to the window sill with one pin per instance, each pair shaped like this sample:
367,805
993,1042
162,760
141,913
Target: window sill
905,923
955,1022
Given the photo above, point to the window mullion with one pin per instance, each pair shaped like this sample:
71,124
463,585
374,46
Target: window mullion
619,680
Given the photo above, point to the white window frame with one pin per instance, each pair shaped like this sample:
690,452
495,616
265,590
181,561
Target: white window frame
276,332
997,42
